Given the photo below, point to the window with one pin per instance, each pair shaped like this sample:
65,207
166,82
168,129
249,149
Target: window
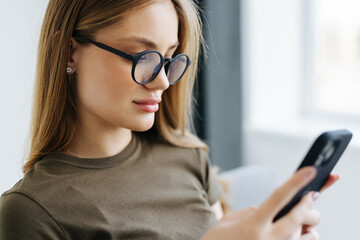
280,63
335,70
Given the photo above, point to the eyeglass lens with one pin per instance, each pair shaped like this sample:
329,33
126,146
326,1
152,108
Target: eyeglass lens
146,67
177,68
150,64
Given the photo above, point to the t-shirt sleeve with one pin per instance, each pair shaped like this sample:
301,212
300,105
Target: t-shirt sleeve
210,180
23,218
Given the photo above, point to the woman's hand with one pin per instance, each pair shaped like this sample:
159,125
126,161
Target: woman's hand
307,231
313,218
256,223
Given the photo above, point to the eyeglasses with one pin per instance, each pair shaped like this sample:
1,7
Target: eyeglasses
147,65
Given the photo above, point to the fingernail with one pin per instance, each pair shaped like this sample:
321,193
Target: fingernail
308,173
315,196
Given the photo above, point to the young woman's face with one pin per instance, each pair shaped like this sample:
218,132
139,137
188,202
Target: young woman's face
106,92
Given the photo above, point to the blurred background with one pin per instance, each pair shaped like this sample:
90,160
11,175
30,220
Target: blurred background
278,73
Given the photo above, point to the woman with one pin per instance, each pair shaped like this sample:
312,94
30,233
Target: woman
112,156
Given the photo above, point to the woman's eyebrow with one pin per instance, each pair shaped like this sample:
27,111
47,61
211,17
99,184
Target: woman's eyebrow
146,42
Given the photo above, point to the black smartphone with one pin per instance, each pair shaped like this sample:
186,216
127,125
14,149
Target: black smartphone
323,154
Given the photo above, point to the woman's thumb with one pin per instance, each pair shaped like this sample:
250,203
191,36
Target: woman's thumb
283,195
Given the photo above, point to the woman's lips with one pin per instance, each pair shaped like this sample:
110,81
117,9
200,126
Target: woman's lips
148,105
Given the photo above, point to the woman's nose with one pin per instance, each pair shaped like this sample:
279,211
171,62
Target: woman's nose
161,82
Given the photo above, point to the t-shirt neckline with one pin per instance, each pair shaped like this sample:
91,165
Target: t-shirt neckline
130,150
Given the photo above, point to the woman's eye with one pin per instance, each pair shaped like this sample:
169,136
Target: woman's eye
143,59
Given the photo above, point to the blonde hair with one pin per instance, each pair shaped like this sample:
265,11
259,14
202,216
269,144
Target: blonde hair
54,108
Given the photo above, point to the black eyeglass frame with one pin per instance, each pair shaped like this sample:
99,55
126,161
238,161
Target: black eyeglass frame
136,57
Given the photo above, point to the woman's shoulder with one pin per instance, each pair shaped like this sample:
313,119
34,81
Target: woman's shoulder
15,200
18,198
14,196
29,191
21,217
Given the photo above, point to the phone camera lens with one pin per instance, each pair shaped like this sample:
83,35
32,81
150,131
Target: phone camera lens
325,154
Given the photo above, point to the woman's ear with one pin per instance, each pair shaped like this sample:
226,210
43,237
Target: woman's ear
73,56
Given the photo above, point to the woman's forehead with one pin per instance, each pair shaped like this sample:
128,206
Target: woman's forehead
155,24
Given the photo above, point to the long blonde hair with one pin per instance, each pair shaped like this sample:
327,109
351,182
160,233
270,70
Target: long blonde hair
54,109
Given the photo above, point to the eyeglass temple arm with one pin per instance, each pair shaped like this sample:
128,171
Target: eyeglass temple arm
112,50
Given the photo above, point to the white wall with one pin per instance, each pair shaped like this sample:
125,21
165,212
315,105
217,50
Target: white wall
20,23
276,132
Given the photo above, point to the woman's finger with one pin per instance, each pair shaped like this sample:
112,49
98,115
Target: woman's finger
297,216
312,218
285,193
330,181
311,235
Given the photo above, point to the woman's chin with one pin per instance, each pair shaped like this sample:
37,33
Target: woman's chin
142,126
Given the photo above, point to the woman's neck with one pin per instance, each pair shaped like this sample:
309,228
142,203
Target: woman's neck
95,142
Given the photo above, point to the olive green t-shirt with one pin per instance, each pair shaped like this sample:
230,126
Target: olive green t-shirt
150,190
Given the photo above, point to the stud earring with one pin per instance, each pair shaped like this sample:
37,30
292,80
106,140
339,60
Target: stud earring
69,70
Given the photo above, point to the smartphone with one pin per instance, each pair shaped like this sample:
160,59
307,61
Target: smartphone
323,155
